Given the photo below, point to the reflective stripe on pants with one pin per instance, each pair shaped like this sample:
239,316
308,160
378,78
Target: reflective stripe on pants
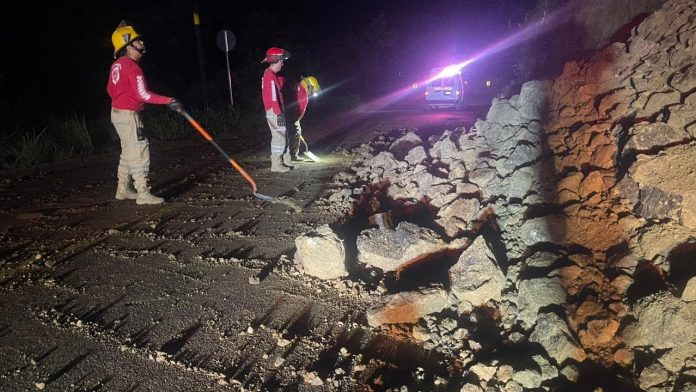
279,135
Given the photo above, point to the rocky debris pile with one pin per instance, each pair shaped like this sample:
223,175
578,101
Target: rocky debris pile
565,222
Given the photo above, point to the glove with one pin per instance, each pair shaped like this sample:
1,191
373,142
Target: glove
175,105
281,120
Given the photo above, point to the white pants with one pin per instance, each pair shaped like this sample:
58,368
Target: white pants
279,134
135,150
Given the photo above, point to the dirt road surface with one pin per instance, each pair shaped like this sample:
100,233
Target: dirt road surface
199,293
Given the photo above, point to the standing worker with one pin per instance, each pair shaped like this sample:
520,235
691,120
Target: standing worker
307,88
271,86
129,94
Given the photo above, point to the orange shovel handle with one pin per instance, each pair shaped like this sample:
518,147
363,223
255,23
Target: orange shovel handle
209,138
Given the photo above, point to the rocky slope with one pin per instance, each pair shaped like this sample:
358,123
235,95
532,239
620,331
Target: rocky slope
551,245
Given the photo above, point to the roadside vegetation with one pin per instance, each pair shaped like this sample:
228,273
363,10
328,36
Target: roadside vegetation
77,136
59,140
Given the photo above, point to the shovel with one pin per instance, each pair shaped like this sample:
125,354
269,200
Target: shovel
308,153
234,164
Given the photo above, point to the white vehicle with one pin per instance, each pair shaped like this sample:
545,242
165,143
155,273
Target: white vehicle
444,90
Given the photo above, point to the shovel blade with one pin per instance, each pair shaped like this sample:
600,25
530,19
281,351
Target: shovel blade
311,156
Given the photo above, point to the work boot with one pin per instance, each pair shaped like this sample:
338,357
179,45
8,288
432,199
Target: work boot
148,198
144,195
297,158
287,160
277,164
123,191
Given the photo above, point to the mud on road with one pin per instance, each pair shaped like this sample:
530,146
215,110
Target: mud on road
199,293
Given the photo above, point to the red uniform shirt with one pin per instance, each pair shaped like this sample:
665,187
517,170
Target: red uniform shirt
271,85
127,87
302,101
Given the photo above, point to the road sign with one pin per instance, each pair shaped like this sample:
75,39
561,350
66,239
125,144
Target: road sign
226,40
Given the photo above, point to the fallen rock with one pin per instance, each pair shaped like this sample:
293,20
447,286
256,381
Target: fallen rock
666,182
444,149
407,307
483,372
662,322
548,371
646,137
598,332
653,375
416,156
458,216
391,250
401,146
552,333
476,277
529,379
675,359
689,293
321,253
534,294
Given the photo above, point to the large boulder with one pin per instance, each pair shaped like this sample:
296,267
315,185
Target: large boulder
476,277
392,250
407,307
321,253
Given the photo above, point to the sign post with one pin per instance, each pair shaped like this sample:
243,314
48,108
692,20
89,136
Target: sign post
226,42
199,45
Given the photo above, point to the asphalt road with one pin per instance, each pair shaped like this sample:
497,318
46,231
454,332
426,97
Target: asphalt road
361,125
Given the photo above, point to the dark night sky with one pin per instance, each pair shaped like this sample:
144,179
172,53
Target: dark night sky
57,56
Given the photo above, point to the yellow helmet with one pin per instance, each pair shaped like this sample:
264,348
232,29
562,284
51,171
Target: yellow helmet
310,84
123,36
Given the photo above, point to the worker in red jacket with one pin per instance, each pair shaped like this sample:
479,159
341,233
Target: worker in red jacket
129,94
306,89
271,86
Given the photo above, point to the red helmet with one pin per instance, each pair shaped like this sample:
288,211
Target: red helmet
273,55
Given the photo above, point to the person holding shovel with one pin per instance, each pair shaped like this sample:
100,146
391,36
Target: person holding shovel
306,89
271,86
129,94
